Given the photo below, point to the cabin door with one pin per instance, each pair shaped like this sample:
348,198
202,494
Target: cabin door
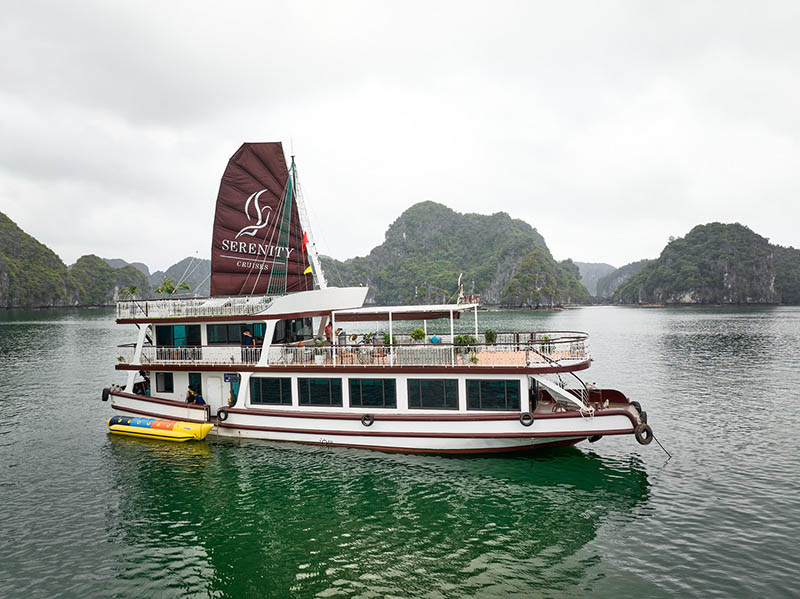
214,393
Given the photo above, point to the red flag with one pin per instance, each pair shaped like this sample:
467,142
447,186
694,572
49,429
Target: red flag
305,241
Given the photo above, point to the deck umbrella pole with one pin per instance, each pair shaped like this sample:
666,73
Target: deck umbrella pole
333,336
476,323
452,349
391,345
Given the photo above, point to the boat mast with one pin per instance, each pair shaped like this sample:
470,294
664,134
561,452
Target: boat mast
316,266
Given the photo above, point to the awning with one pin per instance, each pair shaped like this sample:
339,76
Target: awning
380,313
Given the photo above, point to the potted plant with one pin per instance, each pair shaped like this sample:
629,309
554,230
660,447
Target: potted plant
418,335
368,339
464,343
386,339
490,336
545,345
320,351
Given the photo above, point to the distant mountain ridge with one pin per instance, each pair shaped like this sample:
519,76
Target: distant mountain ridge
195,272
120,263
608,284
429,245
591,272
504,260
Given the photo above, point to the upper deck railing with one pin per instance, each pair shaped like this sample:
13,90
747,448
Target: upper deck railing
540,349
200,306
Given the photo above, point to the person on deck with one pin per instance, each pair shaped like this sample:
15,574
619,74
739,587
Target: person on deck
328,331
193,397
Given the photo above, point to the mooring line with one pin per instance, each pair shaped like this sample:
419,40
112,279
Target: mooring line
662,447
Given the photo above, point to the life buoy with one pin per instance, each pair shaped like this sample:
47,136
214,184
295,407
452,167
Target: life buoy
106,393
644,434
367,419
526,419
222,414
595,438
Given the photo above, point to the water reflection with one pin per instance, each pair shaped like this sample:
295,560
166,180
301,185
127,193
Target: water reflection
255,518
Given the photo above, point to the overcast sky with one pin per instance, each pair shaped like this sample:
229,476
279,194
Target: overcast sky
607,126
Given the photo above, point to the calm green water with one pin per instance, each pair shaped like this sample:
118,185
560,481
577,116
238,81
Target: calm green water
85,514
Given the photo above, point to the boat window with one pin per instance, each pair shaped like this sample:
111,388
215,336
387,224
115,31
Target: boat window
436,394
492,395
164,382
320,392
293,330
233,334
196,382
373,393
271,390
178,335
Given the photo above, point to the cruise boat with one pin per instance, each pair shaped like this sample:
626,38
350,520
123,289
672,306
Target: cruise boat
277,354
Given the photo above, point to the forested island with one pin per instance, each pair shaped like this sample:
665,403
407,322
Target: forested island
425,250
33,276
716,264
504,260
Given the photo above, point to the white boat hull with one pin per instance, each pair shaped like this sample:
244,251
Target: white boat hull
422,432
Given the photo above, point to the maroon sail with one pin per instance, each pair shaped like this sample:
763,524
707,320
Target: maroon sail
257,247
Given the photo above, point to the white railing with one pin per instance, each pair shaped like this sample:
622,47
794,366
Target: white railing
206,354
203,306
555,349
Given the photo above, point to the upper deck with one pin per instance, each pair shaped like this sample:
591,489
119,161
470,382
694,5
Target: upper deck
540,350
385,348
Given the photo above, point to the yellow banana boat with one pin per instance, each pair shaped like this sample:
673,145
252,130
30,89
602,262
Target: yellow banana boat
154,428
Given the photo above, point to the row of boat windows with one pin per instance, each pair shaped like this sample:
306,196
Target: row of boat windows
180,335
436,394
188,335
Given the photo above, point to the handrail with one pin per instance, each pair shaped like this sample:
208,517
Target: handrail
513,354
179,307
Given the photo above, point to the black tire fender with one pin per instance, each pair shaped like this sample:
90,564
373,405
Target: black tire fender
643,416
106,393
644,434
637,405
526,419
595,438
367,419
222,414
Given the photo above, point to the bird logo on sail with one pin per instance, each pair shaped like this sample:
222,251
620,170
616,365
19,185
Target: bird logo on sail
262,214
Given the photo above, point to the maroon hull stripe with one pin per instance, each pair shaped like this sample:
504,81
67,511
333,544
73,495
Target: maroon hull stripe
460,417
365,433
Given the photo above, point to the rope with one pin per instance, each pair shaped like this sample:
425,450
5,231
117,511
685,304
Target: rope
669,455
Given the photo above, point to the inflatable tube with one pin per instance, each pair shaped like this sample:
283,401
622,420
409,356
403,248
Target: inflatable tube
526,419
154,428
367,419
644,434
222,414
